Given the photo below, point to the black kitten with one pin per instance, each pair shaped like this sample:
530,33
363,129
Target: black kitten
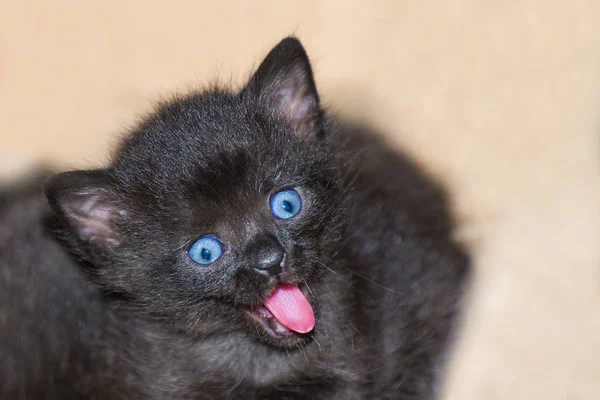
241,245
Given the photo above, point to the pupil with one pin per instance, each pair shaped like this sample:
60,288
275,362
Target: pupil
287,206
205,253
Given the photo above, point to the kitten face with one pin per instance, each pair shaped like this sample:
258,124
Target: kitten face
214,167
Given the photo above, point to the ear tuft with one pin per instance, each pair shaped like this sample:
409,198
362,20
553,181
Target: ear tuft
86,202
284,81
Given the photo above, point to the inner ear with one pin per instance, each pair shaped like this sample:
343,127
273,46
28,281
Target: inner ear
86,201
284,82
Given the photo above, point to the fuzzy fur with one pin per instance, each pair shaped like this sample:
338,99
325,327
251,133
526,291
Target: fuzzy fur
98,298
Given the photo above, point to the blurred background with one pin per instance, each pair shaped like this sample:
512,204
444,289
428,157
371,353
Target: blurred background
499,99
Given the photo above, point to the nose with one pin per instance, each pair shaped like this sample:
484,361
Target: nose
268,255
270,262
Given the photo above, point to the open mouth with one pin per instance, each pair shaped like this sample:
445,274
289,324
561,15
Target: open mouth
270,323
285,312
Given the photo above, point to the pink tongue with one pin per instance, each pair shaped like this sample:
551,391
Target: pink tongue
289,306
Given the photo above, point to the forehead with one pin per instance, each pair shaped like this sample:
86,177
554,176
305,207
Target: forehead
211,145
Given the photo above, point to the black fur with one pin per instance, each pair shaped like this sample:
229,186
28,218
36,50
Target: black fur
99,299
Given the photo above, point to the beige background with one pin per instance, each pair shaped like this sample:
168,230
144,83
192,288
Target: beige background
501,99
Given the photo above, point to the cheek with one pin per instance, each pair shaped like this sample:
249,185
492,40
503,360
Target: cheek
186,281
297,252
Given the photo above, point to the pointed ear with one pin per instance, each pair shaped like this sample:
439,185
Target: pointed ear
86,202
284,82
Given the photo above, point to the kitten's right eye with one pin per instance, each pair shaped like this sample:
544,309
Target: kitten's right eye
206,250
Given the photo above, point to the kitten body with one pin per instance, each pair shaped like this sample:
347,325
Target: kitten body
99,297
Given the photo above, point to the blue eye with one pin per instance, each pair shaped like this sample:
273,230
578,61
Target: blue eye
286,204
206,250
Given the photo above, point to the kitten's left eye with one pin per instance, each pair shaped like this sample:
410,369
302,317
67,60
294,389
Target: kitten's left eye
286,204
206,250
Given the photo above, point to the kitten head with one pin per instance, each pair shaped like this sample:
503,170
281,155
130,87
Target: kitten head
217,209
